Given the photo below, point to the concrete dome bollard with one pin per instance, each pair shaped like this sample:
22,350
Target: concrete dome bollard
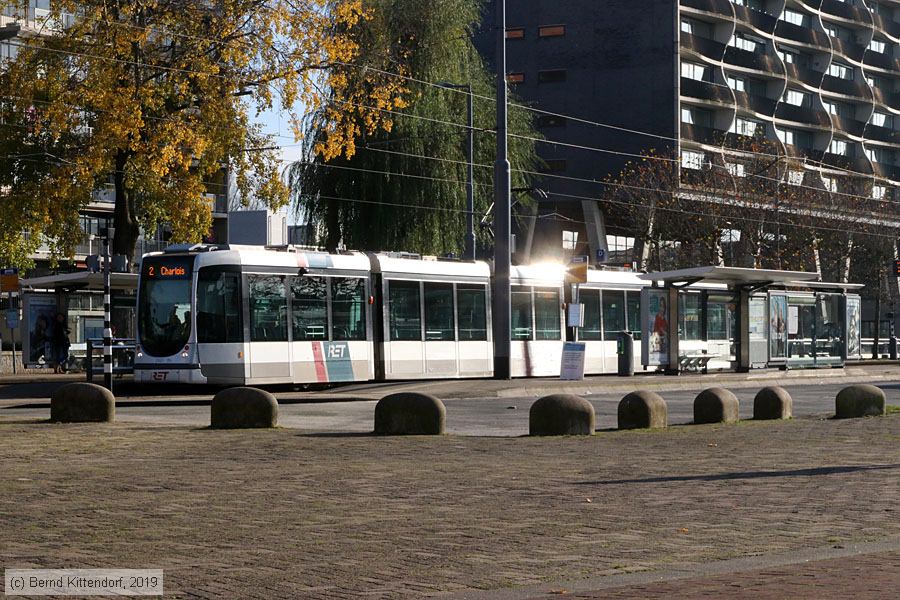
410,413
82,403
772,402
643,410
716,405
859,401
561,414
243,408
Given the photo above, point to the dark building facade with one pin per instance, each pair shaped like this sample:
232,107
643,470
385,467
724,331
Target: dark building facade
819,79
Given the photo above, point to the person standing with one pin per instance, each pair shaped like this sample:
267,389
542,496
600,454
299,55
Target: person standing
60,344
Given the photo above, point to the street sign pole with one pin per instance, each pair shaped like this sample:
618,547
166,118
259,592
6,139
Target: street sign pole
9,282
107,324
12,333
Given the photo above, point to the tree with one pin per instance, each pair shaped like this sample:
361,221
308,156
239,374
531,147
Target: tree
391,195
157,95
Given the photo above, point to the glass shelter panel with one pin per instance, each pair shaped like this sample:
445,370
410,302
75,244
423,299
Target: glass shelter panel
689,317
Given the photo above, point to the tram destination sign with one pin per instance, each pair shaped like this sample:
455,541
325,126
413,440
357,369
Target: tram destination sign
166,269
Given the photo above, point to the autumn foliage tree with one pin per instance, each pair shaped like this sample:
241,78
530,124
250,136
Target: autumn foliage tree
160,95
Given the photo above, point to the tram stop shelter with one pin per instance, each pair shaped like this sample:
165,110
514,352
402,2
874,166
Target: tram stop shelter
78,296
740,318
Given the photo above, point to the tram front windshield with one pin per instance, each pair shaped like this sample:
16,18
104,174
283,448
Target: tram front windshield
164,309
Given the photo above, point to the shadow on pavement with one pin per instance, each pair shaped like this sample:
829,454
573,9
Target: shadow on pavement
747,475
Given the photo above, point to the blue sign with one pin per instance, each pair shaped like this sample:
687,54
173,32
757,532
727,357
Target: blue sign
12,319
602,256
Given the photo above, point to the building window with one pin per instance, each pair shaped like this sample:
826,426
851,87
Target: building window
552,76
515,77
786,136
687,116
693,71
794,17
569,239
880,119
879,192
830,107
550,121
746,42
838,147
691,160
745,127
830,184
840,71
687,26
736,169
737,84
796,98
788,56
552,31
877,46
556,164
515,33
795,177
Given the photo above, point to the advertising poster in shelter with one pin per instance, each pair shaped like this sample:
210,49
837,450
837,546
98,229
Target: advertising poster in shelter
655,341
39,320
854,310
778,326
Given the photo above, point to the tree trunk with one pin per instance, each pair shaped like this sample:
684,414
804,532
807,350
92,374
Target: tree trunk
845,263
124,215
332,227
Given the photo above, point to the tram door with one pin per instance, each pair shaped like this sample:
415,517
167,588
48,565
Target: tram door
269,354
220,325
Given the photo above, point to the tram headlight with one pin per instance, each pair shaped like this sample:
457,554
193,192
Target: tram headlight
186,352
138,352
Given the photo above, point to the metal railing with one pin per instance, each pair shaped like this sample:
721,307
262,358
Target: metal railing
122,352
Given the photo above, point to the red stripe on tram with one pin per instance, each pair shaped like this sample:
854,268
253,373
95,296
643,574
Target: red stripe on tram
319,358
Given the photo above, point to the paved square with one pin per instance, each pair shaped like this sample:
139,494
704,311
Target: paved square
277,513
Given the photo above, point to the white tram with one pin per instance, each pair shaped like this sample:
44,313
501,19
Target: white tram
250,315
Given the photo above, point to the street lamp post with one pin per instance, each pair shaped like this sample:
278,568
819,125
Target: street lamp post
107,319
501,315
469,251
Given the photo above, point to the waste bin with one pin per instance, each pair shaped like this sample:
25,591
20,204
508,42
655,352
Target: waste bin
625,350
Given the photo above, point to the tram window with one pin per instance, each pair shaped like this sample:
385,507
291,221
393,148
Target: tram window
546,314
439,312
268,309
471,304
613,313
633,303
591,301
404,311
520,302
348,308
309,309
219,307
689,317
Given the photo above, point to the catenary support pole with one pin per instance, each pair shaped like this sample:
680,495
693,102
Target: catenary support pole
502,184
470,181
107,324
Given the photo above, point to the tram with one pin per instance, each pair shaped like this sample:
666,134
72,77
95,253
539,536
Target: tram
249,315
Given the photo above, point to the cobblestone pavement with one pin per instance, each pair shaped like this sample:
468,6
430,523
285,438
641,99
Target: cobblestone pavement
279,513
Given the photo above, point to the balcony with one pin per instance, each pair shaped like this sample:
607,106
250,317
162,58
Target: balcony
706,90
848,125
882,134
891,172
703,46
847,163
702,135
758,61
845,10
759,20
893,100
802,114
758,104
716,7
846,87
848,49
803,74
889,26
881,61
804,35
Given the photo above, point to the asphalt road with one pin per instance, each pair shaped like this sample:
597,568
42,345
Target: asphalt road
474,417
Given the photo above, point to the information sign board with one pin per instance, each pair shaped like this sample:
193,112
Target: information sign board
572,368
9,280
